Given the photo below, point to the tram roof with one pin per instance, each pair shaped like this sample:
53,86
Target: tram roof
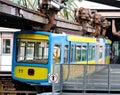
81,39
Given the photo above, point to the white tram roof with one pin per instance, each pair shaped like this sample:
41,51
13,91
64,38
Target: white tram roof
3,29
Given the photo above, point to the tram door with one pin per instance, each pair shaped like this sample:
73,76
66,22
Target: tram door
6,40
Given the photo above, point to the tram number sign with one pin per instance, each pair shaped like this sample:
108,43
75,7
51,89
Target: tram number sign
53,78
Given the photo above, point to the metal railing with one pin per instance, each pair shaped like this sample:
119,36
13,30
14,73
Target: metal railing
95,77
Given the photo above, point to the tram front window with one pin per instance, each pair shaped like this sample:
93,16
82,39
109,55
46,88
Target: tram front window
32,51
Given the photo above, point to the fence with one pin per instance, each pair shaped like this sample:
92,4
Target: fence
96,77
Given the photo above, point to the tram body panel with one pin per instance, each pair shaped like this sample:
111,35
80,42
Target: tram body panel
31,73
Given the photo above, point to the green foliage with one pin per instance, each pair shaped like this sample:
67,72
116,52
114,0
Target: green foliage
67,12
31,4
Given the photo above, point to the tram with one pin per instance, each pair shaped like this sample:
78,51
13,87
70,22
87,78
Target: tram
35,53
6,41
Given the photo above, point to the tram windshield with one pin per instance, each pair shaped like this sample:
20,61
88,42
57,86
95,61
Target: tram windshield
32,51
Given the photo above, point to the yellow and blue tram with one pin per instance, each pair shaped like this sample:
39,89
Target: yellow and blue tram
35,52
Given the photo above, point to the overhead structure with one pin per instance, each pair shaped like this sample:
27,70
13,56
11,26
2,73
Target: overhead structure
115,3
25,14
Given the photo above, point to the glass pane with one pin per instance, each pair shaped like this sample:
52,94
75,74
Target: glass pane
6,46
66,54
84,53
89,53
21,52
32,51
78,50
93,53
71,53
56,53
100,52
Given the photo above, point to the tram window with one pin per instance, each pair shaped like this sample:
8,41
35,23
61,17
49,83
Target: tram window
77,52
21,51
41,50
100,51
107,50
71,53
89,52
6,46
93,53
32,51
57,53
84,52
66,54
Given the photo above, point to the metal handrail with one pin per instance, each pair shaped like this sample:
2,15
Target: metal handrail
107,74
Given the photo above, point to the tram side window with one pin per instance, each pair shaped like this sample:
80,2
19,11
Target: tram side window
21,51
66,54
77,52
107,51
89,52
84,53
41,50
100,51
32,51
93,53
71,53
57,53
6,46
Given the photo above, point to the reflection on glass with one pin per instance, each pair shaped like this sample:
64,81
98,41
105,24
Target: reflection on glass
32,51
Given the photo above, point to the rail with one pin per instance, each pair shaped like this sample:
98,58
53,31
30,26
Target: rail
94,77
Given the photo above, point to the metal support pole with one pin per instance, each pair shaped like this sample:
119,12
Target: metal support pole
61,78
109,83
84,80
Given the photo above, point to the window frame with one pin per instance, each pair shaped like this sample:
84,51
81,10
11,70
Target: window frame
10,46
34,59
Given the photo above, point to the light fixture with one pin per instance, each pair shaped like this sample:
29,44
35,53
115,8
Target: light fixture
55,4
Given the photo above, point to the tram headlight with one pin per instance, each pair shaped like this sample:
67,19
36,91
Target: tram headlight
31,72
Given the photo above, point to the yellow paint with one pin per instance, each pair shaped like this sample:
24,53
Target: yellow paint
107,60
56,55
85,62
33,36
81,39
92,62
39,73
109,41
